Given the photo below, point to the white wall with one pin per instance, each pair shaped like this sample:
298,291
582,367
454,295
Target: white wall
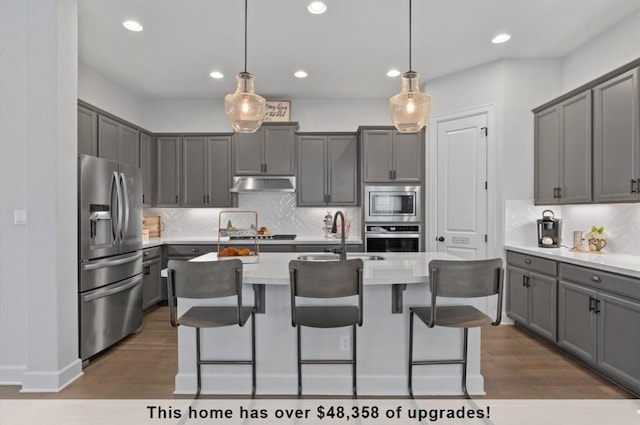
612,48
38,265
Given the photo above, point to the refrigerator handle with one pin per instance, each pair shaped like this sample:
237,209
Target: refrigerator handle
126,205
119,202
114,218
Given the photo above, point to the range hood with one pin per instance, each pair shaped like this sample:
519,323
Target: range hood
257,184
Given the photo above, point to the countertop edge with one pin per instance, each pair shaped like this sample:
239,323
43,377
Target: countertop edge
624,264
214,241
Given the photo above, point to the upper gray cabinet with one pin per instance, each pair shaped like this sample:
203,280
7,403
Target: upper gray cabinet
87,131
148,167
327,169
391,156
206,171
615,133
168,171
270,150
562,138
118,142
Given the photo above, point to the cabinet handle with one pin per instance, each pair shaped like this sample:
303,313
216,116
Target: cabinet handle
390,174
597,306
596,278
555,192
559,192
146,253
195,250
176,199
528,281
524,281
143,198
591,300
633,187
527,261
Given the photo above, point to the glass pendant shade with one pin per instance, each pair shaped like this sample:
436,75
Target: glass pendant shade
245,109
410,108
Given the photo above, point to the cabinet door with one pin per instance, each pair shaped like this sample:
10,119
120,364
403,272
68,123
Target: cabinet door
248,153
408,156
168,181
147,165
219,171
547,155
151,284
576,149
129,146
193,191
342,172
615,138
542,304
108,138
279,150
377,155
619,339
576,322
87,131
517,304
312,170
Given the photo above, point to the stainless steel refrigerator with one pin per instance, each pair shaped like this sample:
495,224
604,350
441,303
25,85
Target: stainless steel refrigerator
109,253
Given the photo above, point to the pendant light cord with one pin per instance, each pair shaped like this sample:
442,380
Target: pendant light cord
245,36
410,68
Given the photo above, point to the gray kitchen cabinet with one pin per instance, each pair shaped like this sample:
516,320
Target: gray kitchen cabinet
87,131
151,279
532,293
391,156
148,167
168,171
206,174
616,140
268,151
118,142
599,321
327,169
562,146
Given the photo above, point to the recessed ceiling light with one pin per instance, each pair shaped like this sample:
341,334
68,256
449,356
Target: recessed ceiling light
393,73
317,7
500,38
216,74
300,74
132,26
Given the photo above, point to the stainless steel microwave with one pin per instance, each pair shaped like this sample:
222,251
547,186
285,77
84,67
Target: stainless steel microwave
392,203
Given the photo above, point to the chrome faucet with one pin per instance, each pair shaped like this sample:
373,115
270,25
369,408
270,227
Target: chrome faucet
343,244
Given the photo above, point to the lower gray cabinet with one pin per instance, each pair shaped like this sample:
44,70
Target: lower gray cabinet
599,321
151,279
532,293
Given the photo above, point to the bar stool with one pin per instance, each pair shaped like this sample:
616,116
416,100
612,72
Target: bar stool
457,279
326,279
211,279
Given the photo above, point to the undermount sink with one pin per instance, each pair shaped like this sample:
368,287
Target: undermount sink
334,257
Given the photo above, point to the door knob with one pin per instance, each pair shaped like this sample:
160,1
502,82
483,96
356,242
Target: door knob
441,239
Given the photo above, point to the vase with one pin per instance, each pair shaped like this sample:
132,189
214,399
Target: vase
597,244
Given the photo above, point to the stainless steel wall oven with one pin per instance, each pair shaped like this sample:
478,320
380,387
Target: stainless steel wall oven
392,238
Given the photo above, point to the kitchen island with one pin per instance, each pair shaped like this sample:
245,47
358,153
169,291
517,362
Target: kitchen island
382,340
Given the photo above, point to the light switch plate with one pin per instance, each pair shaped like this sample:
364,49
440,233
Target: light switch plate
20,217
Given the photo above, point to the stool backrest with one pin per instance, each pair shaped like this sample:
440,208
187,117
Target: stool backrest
203,279
326,279
466,278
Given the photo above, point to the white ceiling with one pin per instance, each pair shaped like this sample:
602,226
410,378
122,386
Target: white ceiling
347,51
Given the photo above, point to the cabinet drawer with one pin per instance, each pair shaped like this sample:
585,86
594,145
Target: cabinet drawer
535,264
150,253
189,250
598,279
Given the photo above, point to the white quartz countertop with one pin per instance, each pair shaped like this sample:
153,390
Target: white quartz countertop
616,263
397,267
213,240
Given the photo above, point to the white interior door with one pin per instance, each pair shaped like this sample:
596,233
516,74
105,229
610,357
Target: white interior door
461,186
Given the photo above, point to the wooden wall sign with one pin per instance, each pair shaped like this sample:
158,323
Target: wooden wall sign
278,110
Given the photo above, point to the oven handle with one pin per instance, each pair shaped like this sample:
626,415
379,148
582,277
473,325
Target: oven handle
392,235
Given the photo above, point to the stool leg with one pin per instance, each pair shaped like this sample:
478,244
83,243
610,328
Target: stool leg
464,362
299,346
354,365
198,364
253,354
410,374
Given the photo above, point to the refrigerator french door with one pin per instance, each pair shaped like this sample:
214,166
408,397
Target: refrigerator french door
109,250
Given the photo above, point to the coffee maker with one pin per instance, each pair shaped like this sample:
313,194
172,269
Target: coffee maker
549,230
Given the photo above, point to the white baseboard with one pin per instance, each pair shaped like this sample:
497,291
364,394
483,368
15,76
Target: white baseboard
51,382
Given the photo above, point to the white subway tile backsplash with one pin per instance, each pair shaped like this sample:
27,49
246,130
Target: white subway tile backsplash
277,211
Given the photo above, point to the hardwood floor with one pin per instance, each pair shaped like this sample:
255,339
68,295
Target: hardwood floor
514,364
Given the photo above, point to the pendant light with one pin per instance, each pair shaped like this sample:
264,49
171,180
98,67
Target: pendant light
245,109
410,108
